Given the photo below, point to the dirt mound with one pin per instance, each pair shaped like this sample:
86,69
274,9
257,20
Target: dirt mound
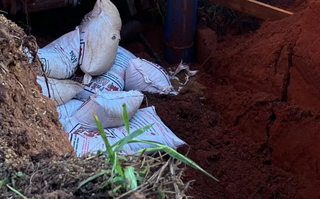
252,123
267,89
28,121
199,115
273,60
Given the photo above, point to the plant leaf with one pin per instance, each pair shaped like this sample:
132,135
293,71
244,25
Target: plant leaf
125,118
117,165
103,135
116,189
140,179
173,153
118,179
144,171
150,149
162,195
16,191
122,157
93,177
131,136
4,182
111,154
130,178
105,184
20,174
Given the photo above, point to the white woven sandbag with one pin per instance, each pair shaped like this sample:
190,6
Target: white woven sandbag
61,57
61,91
143,75
125,55
100,36
109,9
113,80
108,107
67,110
85,141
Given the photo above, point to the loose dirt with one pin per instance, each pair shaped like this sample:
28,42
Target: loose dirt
265,88
250,116
28,121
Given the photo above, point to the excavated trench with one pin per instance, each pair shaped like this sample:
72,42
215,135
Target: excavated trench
251,116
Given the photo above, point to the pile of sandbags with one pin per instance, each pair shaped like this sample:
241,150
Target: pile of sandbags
85,141
86,71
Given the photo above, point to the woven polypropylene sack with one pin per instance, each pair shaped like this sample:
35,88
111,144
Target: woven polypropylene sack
99,38
60,58
84,140
143,75
67,110
113,80
61,91
108,107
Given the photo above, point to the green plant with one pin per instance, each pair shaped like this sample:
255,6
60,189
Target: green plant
5,182
127,178
120,177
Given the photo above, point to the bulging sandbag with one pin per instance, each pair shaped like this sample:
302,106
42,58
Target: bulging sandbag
60,58
108,107
143,75
107,7
84,140
67,110
99,39
113,80
61,91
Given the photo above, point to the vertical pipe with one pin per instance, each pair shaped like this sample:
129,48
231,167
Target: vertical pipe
180,30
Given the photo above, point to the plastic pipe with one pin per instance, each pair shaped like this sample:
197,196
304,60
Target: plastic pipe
180,30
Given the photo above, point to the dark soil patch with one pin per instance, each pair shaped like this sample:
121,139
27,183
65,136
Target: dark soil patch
208,120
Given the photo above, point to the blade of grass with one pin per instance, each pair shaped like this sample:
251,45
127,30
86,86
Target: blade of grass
125,118
16,191
111,153
103,135
4,182
117,165
131,136
120,180
116,189
162,195
20,174
144,171
93,177
173,153
130,178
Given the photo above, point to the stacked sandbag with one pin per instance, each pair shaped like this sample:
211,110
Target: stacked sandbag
113,80
108,107
67,110
61,91
106,70
84,140
60,58
93,45
100,36
143,75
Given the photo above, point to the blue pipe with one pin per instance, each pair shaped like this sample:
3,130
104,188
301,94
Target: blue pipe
180,29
